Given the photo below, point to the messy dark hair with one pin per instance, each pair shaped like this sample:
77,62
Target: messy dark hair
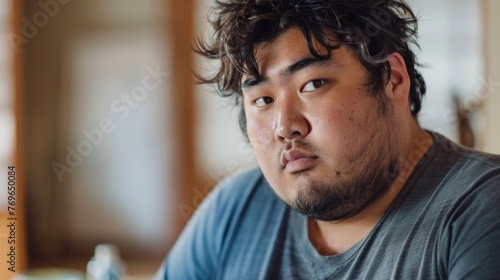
374,29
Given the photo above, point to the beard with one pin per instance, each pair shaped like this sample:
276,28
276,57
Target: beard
338,198
341,195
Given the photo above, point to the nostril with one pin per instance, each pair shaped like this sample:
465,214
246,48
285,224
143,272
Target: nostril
290,125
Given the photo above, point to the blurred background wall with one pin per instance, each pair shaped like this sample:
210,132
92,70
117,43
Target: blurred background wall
97,143
491,48
119,145
452,62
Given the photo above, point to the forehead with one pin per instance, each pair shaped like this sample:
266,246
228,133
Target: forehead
284,50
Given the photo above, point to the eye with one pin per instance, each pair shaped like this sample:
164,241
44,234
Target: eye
313,85
263,101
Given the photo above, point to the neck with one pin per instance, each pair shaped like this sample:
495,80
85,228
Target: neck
331,238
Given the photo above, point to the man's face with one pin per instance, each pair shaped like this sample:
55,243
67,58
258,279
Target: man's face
319,136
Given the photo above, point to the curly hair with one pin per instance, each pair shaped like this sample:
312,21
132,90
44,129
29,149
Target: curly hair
374,29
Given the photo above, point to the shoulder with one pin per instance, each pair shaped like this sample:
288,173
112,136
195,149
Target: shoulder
461,169
241,185
237,192
230,205
242,199
466,157
471,181
234,195
471,230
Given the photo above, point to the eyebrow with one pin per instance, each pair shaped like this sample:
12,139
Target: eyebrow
305,62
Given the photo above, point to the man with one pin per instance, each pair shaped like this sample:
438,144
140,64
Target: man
349,185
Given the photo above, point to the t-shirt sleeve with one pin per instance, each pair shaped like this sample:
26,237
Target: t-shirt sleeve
472,240
194,254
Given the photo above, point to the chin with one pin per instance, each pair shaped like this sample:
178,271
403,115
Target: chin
335,197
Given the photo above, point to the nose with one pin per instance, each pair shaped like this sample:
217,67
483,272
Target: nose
291,123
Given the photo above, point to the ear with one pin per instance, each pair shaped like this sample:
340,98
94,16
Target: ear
398,86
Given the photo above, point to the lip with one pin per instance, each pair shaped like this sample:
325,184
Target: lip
295,160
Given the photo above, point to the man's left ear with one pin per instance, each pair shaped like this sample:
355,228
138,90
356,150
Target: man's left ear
398,86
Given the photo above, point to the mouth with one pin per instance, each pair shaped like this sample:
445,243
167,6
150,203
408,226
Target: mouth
295,160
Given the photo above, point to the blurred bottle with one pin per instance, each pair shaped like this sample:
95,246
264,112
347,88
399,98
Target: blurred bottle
105,264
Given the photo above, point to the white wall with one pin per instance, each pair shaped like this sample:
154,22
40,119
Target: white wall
492,58
450,38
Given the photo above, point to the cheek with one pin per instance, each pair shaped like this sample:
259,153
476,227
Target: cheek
260,132
341,130
335,122
261,138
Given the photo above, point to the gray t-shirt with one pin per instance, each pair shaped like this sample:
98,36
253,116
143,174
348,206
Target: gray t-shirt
444,224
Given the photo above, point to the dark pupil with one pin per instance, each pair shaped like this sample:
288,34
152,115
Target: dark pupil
316,83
